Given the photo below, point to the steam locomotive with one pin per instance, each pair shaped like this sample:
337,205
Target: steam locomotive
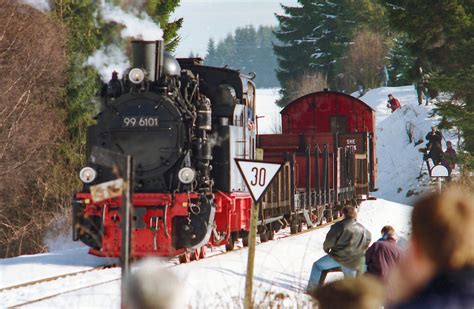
184,123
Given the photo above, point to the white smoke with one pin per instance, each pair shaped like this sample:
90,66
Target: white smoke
40,5
108,59
138,27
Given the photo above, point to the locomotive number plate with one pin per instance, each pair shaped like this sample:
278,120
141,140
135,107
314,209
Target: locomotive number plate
140,122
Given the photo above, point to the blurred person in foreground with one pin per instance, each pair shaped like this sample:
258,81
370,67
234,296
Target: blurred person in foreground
437,270
150,286
383,255
355,293
345,245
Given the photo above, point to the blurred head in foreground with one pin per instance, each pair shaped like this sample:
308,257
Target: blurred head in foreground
151,286
443,229
440,256
356,293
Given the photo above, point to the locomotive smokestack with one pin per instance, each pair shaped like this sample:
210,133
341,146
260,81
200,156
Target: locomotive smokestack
148,55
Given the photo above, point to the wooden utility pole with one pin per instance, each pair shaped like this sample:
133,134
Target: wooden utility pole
257,175
126,247
248,301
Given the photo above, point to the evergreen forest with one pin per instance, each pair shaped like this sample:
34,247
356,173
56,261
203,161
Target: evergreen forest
248,50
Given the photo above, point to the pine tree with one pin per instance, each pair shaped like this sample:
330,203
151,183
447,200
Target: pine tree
294,51
245,40
160,11
84,37
401,63
316,35
211,57
265,59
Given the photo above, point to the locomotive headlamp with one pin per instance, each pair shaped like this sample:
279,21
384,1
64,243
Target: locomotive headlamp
87,174
186,175
136,76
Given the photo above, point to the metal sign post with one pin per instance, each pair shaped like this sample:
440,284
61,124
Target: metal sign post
122,166
258,176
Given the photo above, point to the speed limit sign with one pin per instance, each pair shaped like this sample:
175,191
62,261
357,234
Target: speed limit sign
257,175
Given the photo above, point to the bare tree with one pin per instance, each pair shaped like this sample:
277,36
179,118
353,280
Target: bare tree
309,82
364,62
32,126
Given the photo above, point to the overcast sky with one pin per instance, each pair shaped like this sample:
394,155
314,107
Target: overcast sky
204,19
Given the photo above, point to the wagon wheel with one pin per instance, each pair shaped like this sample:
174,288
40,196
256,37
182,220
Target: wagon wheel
293,228
270,234
203,253
245,241
230,244
196,254
300,227
185,258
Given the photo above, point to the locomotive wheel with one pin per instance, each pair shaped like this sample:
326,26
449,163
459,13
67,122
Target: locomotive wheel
185,258
202,253
293,228
263,237
270,234
196,254
300,227
230,245
245,241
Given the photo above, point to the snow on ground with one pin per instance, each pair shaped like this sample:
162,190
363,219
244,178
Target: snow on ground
282,267
266,107
399,159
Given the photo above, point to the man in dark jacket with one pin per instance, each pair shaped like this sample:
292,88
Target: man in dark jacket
345,246
437,269
383,254
434,138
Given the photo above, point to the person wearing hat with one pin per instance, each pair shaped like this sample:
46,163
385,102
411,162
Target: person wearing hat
393,103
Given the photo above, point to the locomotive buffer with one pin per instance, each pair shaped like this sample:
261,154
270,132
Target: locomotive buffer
258,176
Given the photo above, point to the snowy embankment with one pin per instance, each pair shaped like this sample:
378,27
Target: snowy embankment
399,158
282,268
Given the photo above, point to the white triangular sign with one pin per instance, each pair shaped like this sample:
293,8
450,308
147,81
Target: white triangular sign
257,175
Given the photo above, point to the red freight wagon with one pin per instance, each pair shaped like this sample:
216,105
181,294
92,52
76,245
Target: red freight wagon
328,141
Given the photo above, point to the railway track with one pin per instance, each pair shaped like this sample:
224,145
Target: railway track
30,294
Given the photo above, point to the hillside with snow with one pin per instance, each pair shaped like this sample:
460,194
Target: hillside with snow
399,138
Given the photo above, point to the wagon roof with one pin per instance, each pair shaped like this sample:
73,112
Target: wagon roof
319,93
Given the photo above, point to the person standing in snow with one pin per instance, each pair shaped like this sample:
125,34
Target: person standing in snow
345,246
383,255
437,269
393,103
449,158
434,138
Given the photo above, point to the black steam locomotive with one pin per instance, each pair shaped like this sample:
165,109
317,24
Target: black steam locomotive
183,123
